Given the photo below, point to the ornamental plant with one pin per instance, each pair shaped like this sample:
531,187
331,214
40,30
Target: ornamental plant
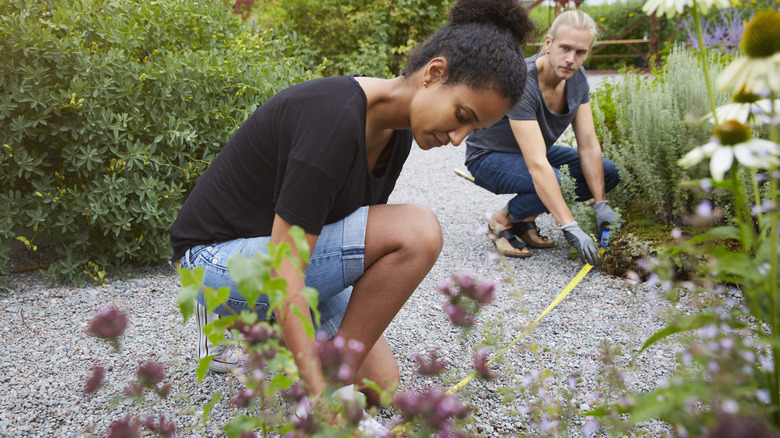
111,110
728,376
359,36
268,400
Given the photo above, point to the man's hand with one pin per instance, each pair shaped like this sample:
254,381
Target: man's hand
581,242
605,216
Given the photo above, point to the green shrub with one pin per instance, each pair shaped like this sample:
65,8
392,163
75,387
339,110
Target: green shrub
111,111
655,122
623,19
361,36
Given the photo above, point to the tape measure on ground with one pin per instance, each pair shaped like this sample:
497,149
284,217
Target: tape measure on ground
401,428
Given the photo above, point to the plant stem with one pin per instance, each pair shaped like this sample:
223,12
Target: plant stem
704,62
773,291
757,197
744,219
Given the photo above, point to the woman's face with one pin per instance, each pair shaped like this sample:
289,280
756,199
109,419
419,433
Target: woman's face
568,51
441,114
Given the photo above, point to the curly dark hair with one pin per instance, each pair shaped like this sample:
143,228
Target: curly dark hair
483,45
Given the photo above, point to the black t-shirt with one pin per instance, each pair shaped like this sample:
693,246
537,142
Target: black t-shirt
301,155
500,138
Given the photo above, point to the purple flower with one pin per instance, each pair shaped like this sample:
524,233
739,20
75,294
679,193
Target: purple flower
434,406
704,209
133,389
465,279
244,398
94,381
483,293
126,427
429,364
458,315
480,364
149,374
445,287
590,427
338,357
163,390
108,323
256,333
295,393
166,429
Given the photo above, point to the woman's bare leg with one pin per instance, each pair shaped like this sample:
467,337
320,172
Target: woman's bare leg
402,244
380,367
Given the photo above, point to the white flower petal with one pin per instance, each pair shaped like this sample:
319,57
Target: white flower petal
697,154
705,5
720,162
732,77
731,111
758,75
748,157
668,7
691,158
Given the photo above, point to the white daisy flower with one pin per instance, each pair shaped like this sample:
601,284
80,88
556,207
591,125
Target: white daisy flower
745,111
758,70
673,7
756,75
732,140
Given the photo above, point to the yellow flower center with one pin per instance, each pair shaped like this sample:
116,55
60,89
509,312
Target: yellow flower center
732,132
761,38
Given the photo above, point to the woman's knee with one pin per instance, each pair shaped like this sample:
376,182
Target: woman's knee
424,229
405,227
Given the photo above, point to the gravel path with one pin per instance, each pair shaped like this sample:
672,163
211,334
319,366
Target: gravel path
46,355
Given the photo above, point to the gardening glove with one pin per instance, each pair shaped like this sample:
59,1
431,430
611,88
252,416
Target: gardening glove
581,242
605,216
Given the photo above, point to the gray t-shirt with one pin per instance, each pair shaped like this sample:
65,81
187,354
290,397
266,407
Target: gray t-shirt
499,137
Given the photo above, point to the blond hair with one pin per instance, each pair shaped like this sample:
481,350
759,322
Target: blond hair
575,19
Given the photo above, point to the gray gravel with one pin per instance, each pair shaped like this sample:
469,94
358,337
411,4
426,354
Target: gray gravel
46,356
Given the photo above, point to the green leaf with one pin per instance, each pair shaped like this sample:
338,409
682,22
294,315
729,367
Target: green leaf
240,424
251,275
203,367
191,281
299,237
719,233
308,327
207,409
312,299
279,382
686,323
215,298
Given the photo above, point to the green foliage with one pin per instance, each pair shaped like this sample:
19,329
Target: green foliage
360,36
112,110
625,19
646,124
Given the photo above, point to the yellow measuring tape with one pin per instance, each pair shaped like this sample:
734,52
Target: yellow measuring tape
572,284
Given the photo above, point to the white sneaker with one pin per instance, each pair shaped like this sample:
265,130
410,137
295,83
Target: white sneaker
224,359
368,426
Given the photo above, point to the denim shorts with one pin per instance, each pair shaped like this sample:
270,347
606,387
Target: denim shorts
334,266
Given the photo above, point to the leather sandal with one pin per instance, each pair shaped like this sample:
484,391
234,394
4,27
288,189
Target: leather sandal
528,232
514,247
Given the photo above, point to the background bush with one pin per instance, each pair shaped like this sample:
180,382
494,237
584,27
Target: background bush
614,18
617,18
111,110
371,37
646,123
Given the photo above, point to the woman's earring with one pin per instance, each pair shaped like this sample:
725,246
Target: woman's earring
548,52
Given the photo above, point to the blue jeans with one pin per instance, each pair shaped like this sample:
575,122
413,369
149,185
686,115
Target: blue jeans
504,173
336,263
